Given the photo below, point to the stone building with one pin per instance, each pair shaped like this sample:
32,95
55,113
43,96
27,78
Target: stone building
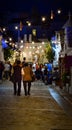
66,53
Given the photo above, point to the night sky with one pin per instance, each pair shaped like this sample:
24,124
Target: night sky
43,6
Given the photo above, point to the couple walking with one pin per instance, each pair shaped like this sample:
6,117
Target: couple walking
22,73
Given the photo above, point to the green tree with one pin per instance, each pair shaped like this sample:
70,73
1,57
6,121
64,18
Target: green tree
8,53
49,53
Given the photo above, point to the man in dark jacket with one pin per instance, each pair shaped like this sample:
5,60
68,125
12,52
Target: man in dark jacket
17,77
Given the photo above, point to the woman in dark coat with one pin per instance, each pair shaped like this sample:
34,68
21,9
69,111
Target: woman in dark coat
17,77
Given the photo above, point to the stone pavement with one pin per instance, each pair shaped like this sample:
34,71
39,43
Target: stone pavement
39,111
67,96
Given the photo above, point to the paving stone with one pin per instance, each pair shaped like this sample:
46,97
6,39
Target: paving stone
39,111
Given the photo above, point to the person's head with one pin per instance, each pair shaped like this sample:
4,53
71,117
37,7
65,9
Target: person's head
24,58
18,62
26,64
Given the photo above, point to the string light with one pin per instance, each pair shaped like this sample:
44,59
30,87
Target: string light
52,15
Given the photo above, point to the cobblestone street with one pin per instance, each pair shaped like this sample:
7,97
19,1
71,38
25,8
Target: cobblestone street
39,111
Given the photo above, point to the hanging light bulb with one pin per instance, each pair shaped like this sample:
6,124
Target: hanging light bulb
21,25
52,15
59,11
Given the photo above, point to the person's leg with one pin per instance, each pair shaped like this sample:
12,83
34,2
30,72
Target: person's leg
0,75
7,74
19,88
15,88
25,87
29,86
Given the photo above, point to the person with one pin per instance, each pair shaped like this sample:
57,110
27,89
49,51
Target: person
27,78
6,69
46,75
24,61
1,70
17,77
10,69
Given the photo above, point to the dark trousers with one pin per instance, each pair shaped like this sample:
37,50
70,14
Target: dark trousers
0,74
6,74
17,88
27,84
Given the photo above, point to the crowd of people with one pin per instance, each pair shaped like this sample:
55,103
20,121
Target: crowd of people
19,71
22,72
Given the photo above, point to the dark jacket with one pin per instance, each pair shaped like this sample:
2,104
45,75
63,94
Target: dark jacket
17,73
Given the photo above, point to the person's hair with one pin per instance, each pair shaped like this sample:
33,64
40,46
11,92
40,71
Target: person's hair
24,58
18,62
26,64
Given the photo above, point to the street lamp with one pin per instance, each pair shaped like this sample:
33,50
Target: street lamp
18,42
43,19
59,11
18,29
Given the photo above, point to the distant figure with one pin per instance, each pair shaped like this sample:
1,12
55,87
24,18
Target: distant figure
1,70
27,78
17,77
24,61
10,69
6,69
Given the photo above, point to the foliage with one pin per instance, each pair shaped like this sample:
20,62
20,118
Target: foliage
41,59
64,77
49,53
8,53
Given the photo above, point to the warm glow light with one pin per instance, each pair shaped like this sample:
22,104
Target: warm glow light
13,45
29,24
16,46
43,19
32,42
40,46
59,11
10,39
16,27
42,50
52,15
33,47
21,46
42,42
30,53
10,43
4,29
34,32
21,41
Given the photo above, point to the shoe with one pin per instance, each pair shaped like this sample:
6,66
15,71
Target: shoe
14,93
28,93
18,94
25,94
